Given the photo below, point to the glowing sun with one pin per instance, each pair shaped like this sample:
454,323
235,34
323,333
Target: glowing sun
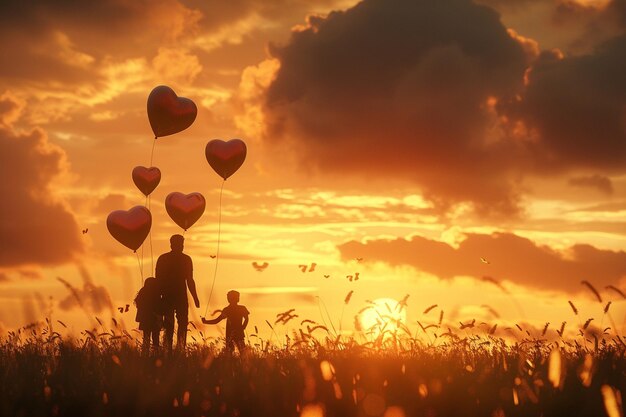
383,315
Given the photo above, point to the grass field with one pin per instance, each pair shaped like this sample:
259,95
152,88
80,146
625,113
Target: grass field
455,373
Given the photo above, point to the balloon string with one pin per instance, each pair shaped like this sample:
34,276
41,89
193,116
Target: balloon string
217,253
152,152
145,204
141,258
149,204
152,272
140,271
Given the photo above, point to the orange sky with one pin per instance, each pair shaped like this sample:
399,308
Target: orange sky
418,136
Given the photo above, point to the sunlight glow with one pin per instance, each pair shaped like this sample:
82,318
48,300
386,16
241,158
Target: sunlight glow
383,316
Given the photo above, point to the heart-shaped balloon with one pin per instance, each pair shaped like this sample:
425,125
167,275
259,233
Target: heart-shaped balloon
131,227
146,179
168,113
226,157
185,209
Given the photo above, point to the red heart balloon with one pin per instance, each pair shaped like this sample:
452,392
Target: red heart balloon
185,209
168,113
226,157
131,227
146,179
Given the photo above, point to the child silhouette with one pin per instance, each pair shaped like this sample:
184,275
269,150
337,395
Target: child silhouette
149,313
234,315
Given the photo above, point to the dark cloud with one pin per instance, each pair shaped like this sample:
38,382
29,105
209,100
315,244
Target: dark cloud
401,88
598,182
438,93
35,226
576,107
511,258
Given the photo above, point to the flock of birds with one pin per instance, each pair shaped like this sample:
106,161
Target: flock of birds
260,267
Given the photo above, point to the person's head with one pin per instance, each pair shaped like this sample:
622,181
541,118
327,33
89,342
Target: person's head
150,284
233,297
150,289
177,243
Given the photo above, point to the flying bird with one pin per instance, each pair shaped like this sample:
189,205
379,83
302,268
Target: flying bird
354,277
326,276
260,267
124,309
358,259
212,256
483,260
85,230
304,268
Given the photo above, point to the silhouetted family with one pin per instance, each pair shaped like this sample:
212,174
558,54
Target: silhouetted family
165,296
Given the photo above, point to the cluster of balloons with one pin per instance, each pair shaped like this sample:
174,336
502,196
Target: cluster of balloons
169,114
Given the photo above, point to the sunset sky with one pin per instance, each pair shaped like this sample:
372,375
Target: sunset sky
418,135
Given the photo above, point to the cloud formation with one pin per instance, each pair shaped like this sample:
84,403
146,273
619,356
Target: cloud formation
401,88
575,107
59,41
510,257
36,227
440,93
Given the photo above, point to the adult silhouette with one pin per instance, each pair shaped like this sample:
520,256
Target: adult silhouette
174,272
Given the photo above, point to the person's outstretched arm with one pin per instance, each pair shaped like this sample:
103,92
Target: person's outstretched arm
215,320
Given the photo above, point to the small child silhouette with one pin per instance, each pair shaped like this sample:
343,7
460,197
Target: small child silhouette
234,314
149,313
